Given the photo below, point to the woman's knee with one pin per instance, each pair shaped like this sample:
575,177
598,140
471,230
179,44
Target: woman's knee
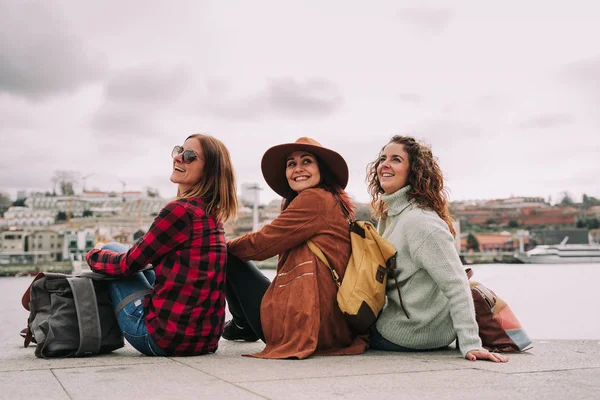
116,247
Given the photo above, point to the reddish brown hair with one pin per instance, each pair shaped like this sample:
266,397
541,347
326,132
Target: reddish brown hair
425,178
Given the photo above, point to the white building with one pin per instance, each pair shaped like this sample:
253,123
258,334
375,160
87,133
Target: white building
101,203
21,217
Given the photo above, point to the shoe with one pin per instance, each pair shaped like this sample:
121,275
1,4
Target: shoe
234,332
23,334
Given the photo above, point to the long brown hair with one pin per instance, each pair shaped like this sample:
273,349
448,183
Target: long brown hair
217,185
328,183
425,178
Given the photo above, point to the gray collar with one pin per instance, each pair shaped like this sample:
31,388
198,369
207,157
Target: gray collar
397,201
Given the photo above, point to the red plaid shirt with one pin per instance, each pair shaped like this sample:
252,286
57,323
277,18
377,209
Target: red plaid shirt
186,309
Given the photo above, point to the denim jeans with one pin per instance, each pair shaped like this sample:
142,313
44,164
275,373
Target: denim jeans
131,318
378,342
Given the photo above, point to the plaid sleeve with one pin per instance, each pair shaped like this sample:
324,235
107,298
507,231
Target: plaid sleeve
171,227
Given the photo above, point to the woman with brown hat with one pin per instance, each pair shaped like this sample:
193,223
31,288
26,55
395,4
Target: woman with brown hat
296,314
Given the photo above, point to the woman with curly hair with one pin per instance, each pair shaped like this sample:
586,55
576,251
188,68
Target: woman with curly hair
434,305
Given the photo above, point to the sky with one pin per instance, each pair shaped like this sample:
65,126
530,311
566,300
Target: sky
506,93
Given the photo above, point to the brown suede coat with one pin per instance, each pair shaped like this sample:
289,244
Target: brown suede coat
299,311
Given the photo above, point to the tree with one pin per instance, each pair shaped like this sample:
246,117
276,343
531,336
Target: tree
567,200
61,216
589,201
513,224
5,202
66,189
87,213
19,203
152,192
472,243
589,223
65,180
363,212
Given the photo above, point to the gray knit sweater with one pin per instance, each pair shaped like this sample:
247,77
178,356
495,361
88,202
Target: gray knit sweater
433,284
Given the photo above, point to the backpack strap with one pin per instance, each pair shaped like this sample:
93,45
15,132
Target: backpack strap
391,267
317,251
345,210
133,296
88,316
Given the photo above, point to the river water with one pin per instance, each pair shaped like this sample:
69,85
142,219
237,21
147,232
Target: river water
552,301
555,301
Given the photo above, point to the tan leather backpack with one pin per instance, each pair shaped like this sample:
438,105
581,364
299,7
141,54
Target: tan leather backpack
361,295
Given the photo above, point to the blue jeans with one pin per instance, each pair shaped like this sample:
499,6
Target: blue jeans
131,318
378,342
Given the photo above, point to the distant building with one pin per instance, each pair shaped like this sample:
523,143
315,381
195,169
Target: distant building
12,241
518,211
27,217
77,242
491,242
99,203
30,247
47,241
555,236
516,202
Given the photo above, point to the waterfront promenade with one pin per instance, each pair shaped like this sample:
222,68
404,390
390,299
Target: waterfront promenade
551,370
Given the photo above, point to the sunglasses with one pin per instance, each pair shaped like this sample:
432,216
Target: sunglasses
187,156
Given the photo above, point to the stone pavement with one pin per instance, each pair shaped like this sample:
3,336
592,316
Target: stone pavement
551,370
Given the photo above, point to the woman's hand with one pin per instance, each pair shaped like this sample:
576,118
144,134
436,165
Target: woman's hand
483,354
99,245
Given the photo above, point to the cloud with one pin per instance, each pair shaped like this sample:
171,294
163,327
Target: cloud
312,98
281,97
40,57
547,121
410,98
221,103
135,99
585,76
491,102
584,72
147,85
427,20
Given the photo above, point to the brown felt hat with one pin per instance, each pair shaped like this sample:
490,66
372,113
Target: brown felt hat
274,159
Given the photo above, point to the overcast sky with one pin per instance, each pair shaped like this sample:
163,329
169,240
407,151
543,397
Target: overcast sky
506,93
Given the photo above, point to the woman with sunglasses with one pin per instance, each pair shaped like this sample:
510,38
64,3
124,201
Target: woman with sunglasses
297,314
177,308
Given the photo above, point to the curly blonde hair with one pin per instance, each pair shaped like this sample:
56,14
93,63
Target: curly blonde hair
425,178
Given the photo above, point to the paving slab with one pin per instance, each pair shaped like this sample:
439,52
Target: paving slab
31,385
173,381
230,365
552,369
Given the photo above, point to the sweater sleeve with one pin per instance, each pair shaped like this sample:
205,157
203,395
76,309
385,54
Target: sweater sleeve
302,220
437,255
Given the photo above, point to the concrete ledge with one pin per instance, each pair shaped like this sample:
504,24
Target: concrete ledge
551,370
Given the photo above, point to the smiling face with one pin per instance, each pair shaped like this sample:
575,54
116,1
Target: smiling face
302,171
393,168
187,175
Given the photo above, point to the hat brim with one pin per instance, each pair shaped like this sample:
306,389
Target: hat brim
274,159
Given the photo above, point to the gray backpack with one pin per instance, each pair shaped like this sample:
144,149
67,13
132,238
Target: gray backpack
71,316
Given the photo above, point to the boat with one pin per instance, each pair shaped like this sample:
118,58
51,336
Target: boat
562,253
